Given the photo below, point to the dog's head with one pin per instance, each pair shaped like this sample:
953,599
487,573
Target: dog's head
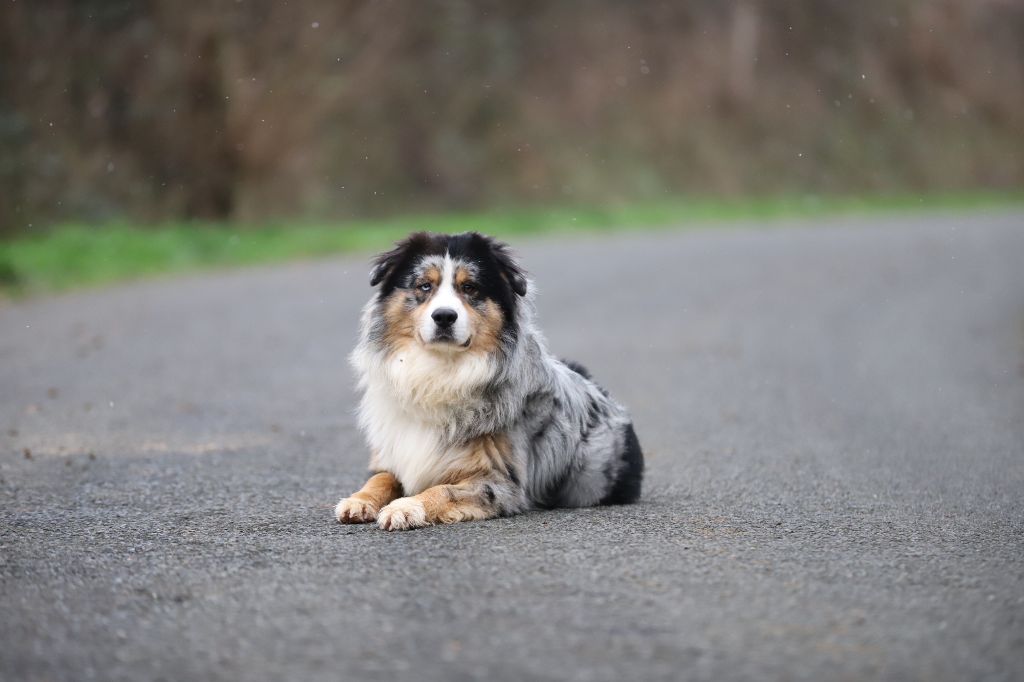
448,293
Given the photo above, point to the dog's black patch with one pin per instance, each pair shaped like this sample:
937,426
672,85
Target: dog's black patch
392,268
626,488
541,430
512,475
552,494
489,493
577,367
596,412
585,373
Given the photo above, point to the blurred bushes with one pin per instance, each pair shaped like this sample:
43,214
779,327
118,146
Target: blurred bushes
253,109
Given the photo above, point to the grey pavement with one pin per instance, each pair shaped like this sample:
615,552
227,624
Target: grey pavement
833,415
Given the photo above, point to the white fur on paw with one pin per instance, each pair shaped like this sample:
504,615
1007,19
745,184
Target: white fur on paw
351,510
403,514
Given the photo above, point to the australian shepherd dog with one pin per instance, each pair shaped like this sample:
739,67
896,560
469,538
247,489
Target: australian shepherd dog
467,414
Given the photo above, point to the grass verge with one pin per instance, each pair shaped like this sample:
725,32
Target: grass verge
74,255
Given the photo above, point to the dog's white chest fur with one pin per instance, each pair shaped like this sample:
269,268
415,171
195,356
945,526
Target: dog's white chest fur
408,397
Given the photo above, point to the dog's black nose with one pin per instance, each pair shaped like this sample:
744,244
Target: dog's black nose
444,317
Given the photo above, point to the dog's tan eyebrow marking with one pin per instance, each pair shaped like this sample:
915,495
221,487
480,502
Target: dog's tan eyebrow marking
432,274
463,274
428,270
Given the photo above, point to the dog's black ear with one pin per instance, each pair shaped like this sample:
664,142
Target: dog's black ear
382,265
385,262
509,267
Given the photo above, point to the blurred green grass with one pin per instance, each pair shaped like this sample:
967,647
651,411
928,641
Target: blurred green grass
75,255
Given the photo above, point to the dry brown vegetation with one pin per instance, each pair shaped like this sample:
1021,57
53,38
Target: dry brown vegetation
251,109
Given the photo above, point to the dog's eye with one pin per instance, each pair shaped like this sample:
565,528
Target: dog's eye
469,289
426,286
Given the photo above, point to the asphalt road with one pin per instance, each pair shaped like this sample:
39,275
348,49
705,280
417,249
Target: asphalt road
833,416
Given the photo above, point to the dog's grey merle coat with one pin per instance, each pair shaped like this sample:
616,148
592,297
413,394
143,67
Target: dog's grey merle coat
489,426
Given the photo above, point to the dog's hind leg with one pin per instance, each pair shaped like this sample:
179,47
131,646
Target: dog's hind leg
363,506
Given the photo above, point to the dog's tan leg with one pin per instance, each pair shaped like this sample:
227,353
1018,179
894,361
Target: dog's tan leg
483,486
363,506
464,501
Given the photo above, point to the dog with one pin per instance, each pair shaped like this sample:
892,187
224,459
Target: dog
467,414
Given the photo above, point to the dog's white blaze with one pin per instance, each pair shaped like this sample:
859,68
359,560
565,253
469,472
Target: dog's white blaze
446,298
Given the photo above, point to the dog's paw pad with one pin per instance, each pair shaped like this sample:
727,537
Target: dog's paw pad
351,510
403,514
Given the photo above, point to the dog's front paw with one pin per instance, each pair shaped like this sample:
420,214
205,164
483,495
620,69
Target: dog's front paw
403,514
351,510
